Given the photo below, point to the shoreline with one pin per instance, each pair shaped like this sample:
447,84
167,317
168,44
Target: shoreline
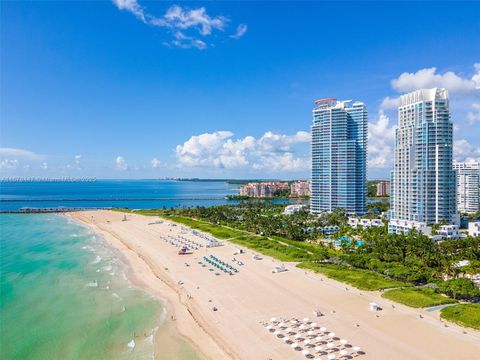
257,295
140,273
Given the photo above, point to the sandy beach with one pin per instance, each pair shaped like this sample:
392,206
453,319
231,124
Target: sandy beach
255,294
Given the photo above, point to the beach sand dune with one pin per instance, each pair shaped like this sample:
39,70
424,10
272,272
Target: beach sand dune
255,294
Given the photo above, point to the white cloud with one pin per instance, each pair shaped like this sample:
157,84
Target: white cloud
474,116
132,6
429,78
120,163
77,159
44,166
178,20
8,164
381,138
186,42
274,152
389,103
241,30
155,163
20,153
464,151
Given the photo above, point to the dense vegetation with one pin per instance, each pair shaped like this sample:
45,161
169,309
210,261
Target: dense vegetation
417,297
463,314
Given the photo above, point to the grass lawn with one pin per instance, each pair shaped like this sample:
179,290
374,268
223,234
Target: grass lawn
273,248
463,314
361,279
417,297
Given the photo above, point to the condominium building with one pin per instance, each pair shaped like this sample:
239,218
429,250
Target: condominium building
468,186
383,188
339,156
423,185
300,188
263,189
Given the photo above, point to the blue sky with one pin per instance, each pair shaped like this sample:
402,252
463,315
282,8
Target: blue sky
136,89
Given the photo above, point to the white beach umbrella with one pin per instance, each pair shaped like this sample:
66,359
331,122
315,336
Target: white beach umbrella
318,348
268,327
294,345
310,332
330,345
298,336
276,332
332,334
273,319
343,341
306,320
301,327
314,325
288,330
318,338
323,329
331,356
282,325
343,352
306,341
305,352
356,348
286,338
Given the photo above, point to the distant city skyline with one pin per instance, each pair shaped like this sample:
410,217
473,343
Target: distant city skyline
136,89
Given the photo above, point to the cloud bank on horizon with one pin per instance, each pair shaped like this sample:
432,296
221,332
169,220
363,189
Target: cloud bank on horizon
185,25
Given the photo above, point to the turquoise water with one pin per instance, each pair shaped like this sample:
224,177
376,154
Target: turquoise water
64,295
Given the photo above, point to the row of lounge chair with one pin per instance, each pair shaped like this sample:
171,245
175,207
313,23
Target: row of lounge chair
314,341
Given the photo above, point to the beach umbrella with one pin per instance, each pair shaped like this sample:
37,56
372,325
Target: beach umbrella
323,329
298,336
305,352
294,345
288,330
273,319
343,352
301,327
282,324
268,327
310,332
318,338
276,332
332,334
331,356
314,325
306,341
318,348
286,338
306,320
330,345
356,348
344,342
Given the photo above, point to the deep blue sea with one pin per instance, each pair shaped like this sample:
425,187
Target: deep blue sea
133,194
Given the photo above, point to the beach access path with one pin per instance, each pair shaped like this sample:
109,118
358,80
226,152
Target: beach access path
255,294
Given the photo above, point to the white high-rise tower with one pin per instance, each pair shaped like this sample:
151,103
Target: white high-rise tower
423,185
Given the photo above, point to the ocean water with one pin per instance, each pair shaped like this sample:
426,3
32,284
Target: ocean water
64,295
134,194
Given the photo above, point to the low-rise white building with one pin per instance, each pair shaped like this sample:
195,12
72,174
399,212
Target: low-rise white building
474,228
292,209
448,232
404,226
354,222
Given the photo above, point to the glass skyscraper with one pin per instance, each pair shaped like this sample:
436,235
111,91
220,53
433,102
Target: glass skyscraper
423,180
339,156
